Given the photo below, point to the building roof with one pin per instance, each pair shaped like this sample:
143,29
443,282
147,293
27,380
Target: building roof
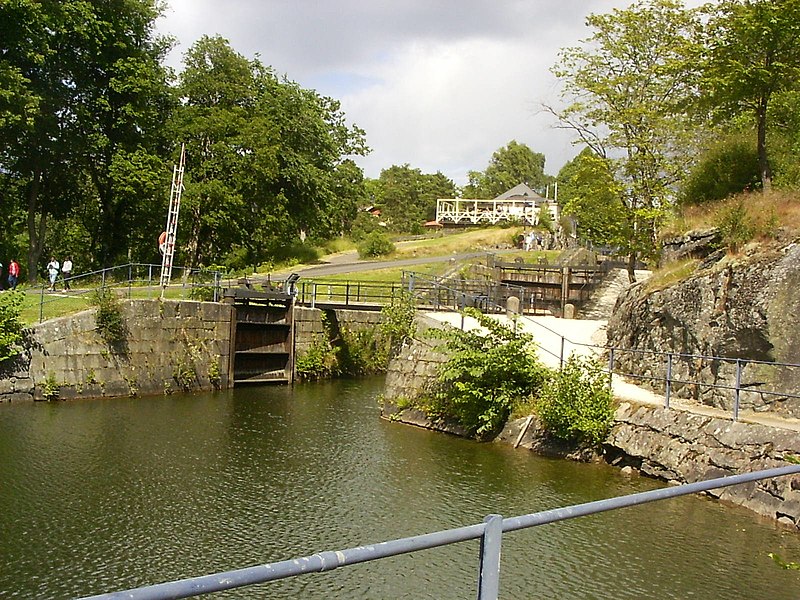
520,191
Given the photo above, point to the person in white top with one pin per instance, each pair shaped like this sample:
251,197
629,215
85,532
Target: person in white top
52,271
66,270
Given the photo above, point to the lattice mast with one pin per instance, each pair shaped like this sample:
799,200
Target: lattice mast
172,221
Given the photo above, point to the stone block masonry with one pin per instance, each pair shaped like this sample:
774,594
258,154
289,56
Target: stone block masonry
170,346
685,447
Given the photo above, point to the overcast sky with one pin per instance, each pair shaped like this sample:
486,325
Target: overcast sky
437,84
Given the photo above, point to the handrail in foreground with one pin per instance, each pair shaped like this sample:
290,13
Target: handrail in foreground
490,532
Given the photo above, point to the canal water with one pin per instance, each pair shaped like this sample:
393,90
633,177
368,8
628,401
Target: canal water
104,495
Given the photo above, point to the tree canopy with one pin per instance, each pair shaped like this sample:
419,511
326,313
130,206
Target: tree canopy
509,166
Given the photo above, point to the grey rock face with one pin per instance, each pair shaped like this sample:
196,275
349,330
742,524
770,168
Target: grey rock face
748,309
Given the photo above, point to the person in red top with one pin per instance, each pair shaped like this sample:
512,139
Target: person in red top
13,274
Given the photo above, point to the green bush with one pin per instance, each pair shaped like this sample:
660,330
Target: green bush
375,244
576,403
735,225
362,352
486,375
109,319
10,326
398,321
319,362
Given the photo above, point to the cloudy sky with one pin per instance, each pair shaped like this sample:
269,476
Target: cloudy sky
437,84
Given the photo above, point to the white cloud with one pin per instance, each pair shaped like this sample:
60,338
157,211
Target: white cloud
436,84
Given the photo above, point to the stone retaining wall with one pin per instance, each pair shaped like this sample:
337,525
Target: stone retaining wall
171,346
308,324
685,447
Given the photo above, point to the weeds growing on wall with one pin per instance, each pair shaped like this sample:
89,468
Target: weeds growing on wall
319,361
11,335
576,403
362,352
109,319
397,325
485,376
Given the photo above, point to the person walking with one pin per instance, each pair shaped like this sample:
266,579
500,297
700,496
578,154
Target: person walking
13,273
66,271
52,270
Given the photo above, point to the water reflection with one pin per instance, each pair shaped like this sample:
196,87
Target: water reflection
108,494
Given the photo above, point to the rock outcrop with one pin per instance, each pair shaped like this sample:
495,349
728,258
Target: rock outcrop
745,308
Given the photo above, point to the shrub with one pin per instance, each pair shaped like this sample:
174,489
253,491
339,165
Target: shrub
10,326
362,352
375,244
319,361
735,225
485,375
109,319
576,403
398,321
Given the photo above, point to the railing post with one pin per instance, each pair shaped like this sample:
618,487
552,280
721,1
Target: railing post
611,367
668,387
738,389
41,305
313,294
463,303
489,574
411,282
561,355
347,294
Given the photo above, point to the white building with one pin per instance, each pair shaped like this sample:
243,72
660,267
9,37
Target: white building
520,203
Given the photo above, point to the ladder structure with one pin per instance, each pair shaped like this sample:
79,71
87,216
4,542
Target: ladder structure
168,246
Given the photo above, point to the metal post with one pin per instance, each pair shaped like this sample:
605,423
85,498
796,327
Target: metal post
463,305
41,306
738,390
668,390
611,367
561,356
411,282
347,294
313,294
491,542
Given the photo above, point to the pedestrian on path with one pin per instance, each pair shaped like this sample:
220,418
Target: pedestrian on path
52,270
13,273
66,271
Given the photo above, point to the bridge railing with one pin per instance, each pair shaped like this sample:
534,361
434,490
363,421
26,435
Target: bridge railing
490,532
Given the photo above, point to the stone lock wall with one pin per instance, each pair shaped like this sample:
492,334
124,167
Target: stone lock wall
685,447
309,327
171,346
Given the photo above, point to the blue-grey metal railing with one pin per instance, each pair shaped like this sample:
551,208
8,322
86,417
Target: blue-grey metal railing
489,532
130,277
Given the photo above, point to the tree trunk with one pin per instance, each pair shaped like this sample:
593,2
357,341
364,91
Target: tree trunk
763,159
36,231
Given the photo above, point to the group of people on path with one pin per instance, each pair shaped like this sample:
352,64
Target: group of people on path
54,268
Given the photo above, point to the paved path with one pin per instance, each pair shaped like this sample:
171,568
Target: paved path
587,338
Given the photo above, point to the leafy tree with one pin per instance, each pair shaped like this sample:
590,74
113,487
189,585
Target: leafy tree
753,53
628,87
265,159
407,197
593,197
509,166
86,95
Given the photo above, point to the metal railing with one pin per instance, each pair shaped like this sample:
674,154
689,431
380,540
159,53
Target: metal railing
490,532
134,279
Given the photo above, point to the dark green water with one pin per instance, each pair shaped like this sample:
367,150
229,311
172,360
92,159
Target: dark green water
105,495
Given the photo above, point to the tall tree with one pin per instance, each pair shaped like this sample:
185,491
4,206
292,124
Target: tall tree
267,159
628,87
753,52
407,196
83,88
509,166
